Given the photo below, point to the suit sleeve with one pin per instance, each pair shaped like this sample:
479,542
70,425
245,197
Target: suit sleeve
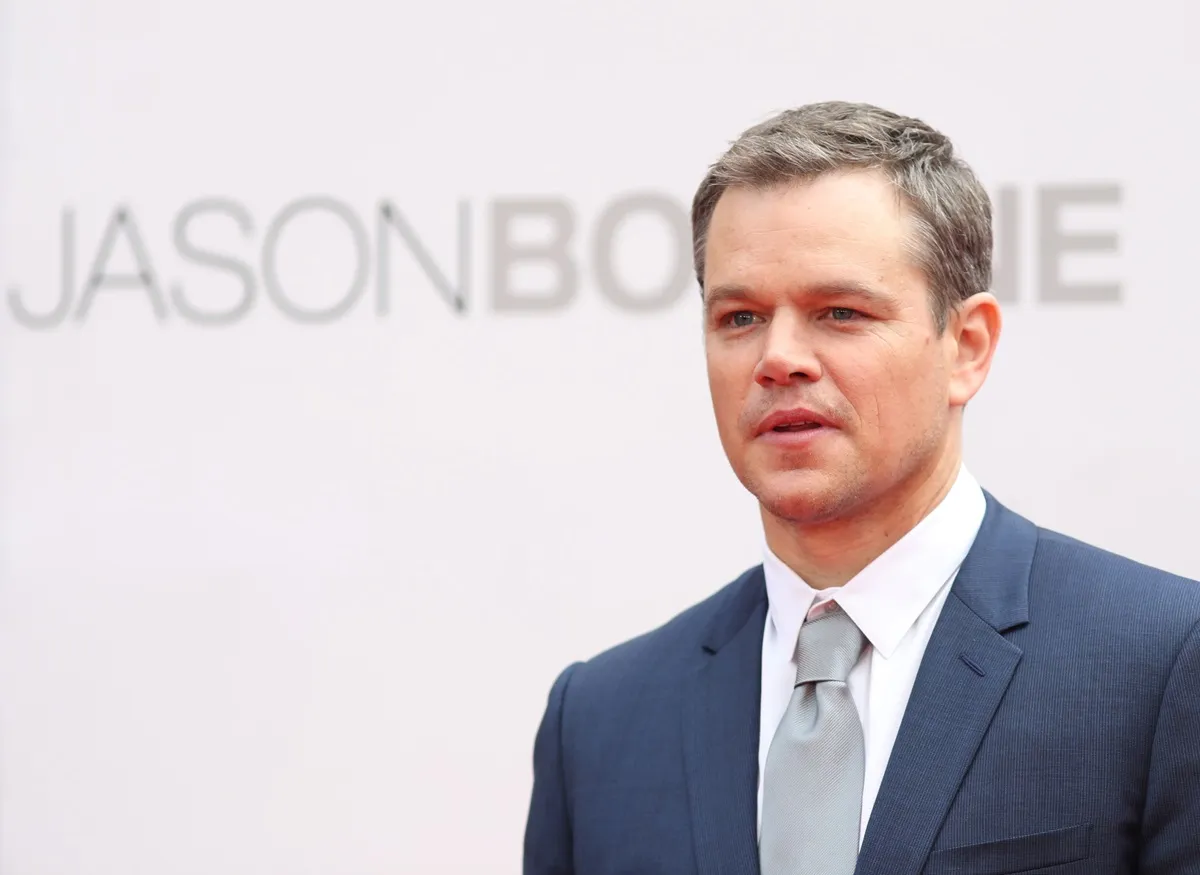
548,848
1171,821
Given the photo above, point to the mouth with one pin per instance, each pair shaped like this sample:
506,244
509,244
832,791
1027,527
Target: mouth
796,426
794,435
798,420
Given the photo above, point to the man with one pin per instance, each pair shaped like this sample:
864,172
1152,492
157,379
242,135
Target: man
915,679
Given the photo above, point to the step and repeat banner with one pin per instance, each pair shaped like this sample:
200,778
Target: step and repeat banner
352,383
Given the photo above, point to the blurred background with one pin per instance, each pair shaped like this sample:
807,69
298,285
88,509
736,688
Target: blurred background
351,378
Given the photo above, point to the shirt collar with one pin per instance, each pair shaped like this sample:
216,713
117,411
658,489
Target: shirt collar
886,598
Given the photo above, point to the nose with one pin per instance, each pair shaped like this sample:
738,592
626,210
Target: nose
788,355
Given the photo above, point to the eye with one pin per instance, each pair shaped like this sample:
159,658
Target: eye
739,319
843,314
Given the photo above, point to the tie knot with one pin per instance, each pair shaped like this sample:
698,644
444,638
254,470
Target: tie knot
828,647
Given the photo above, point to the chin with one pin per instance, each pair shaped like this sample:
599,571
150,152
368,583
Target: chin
806,496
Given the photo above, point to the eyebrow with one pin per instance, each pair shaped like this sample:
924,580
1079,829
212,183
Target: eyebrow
733,292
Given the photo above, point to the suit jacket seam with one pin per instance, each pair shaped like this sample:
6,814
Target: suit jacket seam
1193,633
568,677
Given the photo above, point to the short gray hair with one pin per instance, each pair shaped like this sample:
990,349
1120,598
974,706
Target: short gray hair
950,208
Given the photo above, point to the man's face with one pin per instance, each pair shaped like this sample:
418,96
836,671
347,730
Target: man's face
816,314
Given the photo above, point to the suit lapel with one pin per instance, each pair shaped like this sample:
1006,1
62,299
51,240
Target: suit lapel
963,676
962,679
720,731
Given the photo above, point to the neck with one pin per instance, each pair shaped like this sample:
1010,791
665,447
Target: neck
828,554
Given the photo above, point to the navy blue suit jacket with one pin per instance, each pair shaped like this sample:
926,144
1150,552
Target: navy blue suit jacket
1054,727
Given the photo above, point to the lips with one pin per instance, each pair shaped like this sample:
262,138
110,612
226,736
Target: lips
797,419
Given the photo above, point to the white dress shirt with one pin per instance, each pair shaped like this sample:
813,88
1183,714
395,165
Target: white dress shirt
895,601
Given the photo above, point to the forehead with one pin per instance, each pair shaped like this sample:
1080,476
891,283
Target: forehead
849,226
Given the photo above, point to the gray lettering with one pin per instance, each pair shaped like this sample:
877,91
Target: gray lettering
506,253
680,276
122,222
55,317
456,297
271,245
1056,243
215,260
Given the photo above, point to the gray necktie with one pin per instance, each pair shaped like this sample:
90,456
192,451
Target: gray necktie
813,781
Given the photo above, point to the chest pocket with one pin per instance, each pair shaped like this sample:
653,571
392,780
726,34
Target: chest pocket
1027,854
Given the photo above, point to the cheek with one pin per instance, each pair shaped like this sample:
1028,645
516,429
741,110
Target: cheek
891,394
916,402
729,379
727,397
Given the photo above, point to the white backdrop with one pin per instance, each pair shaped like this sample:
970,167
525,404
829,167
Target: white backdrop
283,595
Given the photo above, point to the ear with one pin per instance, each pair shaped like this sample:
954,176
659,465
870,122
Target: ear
973,332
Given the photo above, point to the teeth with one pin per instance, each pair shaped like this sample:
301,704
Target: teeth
796,426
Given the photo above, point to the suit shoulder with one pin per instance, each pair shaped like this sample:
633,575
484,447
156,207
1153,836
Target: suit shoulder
681,636
1124,585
